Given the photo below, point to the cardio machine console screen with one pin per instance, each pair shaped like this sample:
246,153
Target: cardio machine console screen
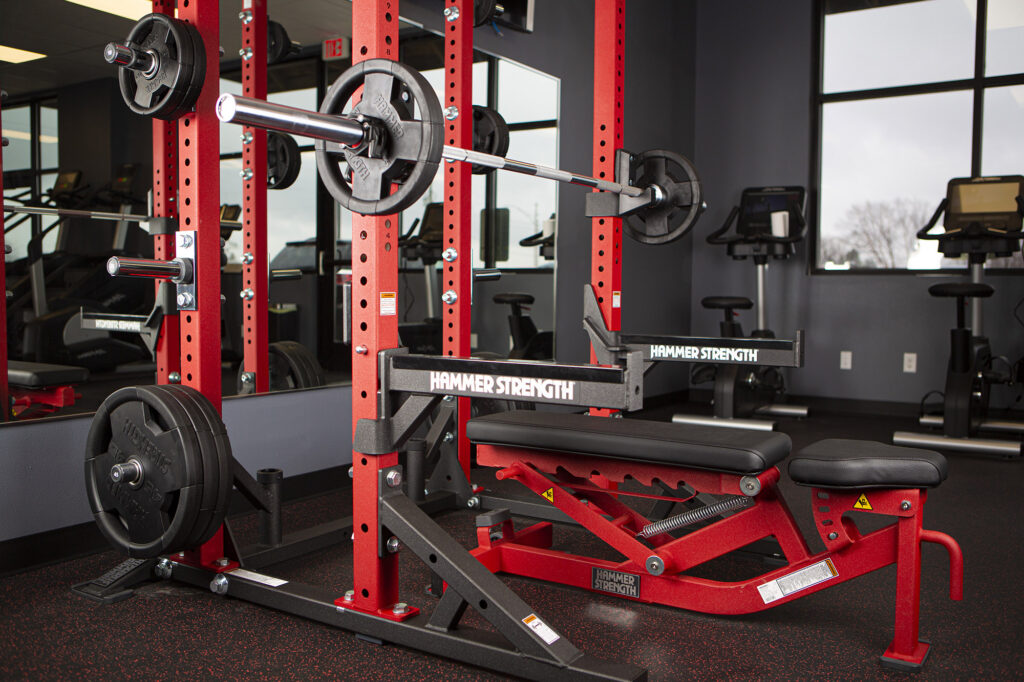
757,204
991,202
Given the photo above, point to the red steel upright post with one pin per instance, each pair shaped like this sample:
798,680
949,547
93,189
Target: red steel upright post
5,400
255,333
606,240
199,210
165,205
374,328
458,274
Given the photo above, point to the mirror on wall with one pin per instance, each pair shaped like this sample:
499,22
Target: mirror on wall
75,145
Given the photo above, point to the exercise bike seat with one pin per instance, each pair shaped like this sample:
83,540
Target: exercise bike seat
727,303
734,451
513,298
958,289
842,463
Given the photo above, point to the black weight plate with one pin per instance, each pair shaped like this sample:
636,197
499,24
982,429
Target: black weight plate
412,150
484,11
279,45
683,202
490,135
195,87
284,161
163,94
157,516
291,365
217,457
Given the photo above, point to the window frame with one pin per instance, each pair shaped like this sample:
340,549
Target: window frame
976,84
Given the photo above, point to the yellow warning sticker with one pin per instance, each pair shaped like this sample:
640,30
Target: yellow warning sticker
862,502
549,495
388,303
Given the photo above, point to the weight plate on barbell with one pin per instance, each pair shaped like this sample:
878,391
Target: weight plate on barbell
181,66
683,202
279,45
490,135
284,161
392,94
290,365
484,12
157,512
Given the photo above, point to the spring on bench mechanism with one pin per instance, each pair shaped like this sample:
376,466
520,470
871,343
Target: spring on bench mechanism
695,516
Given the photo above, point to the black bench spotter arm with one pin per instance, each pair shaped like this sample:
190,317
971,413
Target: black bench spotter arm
427,379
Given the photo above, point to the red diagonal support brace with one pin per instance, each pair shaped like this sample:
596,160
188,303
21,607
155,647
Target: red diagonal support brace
458,274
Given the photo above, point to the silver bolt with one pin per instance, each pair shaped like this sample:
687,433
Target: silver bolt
905,505
450,297
350,595
248,377
394,478
451,112
247,294
449,398
246,173
185,299
473,502
405,96
351,472
393,545
129,472
449,436
223,561
750,486
219,585
174,378
163,569
833,535
400,608
245,53
246,137
450,255
654,565
361,350
451,14
185,240
247,258
245,16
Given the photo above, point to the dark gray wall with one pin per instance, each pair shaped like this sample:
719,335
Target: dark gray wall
753,113
659,105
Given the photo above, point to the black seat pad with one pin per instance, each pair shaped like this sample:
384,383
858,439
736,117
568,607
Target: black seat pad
726,302
42,375
735,451
840,463
953,289
513,297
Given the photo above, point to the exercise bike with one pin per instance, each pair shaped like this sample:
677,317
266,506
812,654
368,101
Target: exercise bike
769,222
983,216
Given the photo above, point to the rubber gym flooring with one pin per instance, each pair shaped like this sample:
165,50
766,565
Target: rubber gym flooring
171,631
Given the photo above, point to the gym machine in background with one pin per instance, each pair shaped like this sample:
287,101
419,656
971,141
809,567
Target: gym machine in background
983,217
769,223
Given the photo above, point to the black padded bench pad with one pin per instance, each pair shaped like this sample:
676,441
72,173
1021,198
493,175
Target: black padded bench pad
840,463
42,375
734,451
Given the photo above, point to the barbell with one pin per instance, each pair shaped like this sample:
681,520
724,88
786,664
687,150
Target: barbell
391,157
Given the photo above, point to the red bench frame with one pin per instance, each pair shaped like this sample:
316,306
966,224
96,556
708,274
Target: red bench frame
564,479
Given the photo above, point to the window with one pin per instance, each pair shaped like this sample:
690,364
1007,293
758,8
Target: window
30,168
904,107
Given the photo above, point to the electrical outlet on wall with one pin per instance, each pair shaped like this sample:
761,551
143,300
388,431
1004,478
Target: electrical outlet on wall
846,359
910,363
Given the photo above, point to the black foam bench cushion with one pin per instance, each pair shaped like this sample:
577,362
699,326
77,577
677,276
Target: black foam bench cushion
841,463
42,375
726,302
966,289
734,451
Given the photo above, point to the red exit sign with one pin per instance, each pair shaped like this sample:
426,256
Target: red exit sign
335,48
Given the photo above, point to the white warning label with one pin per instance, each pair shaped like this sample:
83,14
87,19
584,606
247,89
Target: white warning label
541,628
388,303
798,580
616,299
257,577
